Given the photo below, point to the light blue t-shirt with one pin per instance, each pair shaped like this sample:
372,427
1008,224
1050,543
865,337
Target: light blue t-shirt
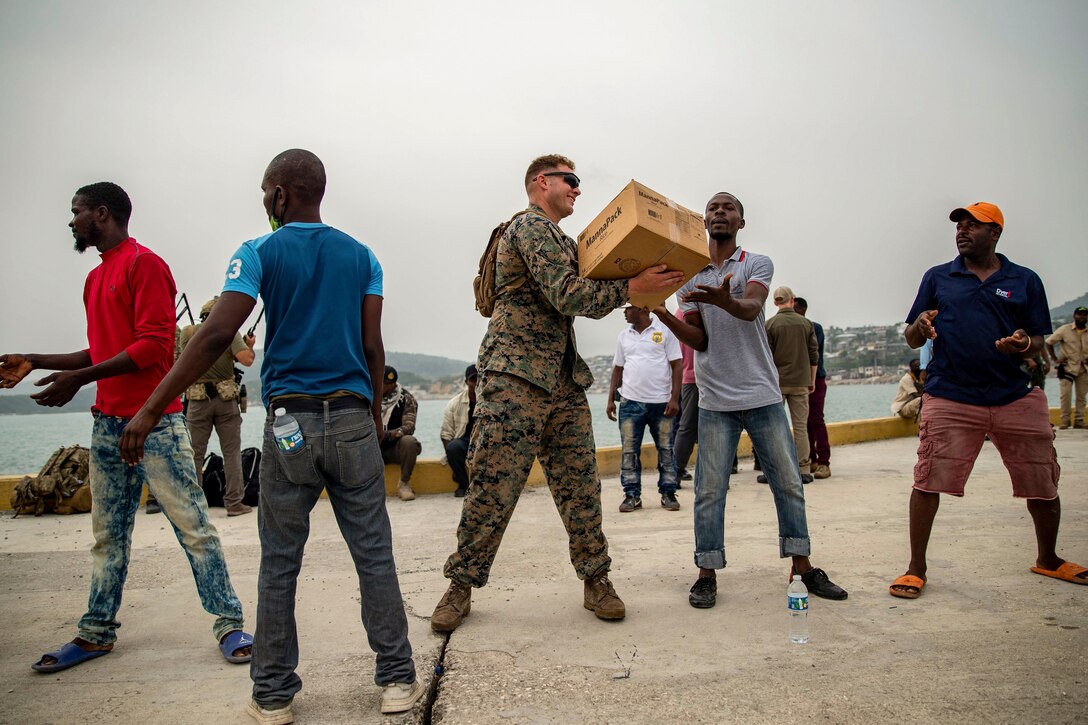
312,279
737,371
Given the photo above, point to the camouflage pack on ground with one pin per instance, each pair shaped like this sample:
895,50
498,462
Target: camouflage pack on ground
60,487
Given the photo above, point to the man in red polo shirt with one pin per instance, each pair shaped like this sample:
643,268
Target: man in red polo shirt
130,329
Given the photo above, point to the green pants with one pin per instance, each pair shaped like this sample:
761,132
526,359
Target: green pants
516,421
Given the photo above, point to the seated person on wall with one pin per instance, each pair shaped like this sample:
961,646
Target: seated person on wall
398,444
457,430
908,398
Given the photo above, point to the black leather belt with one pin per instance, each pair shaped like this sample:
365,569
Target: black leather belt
317,405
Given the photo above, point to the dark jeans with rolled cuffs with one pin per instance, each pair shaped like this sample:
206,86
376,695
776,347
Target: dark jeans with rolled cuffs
340,455
456,456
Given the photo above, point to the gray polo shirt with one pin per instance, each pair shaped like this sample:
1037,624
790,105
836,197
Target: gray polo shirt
737,370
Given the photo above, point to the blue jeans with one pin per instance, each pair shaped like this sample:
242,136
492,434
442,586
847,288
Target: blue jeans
170,474
341,456
635,418
719,433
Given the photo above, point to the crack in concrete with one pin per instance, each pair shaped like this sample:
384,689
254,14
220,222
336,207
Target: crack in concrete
439,671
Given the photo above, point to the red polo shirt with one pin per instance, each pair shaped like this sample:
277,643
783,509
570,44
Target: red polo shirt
130,307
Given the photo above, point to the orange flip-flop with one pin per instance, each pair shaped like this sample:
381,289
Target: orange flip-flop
1068,571
907,580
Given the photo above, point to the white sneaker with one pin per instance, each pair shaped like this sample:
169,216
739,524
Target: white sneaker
404,490
399,697
279,716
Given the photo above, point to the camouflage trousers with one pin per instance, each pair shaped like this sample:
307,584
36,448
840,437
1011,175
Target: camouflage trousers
516,421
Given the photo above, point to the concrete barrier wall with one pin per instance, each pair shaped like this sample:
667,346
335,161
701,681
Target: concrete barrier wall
430,476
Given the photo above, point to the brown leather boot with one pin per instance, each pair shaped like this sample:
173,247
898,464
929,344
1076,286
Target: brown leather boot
601,598
452,608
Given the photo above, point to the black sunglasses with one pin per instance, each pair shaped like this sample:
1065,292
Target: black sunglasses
568,176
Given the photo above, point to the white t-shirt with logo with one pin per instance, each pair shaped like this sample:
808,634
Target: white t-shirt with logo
645,357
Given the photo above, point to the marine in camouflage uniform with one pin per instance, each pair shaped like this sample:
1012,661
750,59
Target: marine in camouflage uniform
531,400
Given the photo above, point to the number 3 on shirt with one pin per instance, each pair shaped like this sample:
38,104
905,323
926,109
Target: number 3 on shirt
235,269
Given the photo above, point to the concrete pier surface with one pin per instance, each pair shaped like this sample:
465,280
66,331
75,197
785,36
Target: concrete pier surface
988,641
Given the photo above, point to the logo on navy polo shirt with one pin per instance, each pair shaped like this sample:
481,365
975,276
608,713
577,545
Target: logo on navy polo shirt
1003,293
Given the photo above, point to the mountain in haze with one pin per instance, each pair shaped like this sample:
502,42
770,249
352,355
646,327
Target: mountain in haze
414,369
1064,312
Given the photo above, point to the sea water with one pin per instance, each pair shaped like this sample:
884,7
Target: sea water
29,440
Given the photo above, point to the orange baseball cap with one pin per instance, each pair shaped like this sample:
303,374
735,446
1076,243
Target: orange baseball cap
983,211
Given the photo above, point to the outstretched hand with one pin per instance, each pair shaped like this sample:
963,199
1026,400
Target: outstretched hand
654,280
925,324
1015,344
63,386
13,368
719,296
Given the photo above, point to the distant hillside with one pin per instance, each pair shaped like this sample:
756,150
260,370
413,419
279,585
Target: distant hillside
428,367
415,369
1064,311
19,401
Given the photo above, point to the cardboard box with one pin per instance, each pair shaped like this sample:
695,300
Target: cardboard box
639,229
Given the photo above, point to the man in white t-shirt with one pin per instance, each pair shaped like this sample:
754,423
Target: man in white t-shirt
648,367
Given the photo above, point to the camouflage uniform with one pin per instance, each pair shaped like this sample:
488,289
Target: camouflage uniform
531,400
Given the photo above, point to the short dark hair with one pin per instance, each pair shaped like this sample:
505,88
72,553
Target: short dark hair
109,195
301,173
800,301
542,163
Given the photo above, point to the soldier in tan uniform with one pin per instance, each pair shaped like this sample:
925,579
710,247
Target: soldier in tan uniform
213,403
531,397
1072,363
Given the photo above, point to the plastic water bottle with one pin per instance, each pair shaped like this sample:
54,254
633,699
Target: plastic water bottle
285,429
797,604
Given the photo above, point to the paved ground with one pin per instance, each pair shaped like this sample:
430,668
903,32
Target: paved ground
988,642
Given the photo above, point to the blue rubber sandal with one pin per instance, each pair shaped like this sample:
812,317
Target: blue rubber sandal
233,642
70,655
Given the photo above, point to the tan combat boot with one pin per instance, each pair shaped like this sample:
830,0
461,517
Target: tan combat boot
452,608
602,600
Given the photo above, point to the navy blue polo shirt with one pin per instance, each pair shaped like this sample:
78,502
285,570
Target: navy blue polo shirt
971,316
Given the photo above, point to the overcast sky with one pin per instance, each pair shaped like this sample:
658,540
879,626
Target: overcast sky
849,130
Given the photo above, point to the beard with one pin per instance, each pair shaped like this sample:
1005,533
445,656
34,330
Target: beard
94,234
721,236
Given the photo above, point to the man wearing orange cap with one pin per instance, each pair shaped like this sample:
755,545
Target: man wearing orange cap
985,316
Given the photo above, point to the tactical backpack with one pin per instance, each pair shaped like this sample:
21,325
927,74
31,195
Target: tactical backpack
251,474
483,287
61,486
214,481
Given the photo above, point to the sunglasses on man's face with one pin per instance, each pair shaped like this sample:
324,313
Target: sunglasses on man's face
568,176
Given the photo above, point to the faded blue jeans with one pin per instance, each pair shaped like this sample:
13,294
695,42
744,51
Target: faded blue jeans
340,456
170,474
719,432
635,418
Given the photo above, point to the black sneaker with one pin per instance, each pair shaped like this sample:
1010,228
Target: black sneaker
630,504
761,479
460,492
684,475
703,593
817,583
153,507
806,478
669,502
